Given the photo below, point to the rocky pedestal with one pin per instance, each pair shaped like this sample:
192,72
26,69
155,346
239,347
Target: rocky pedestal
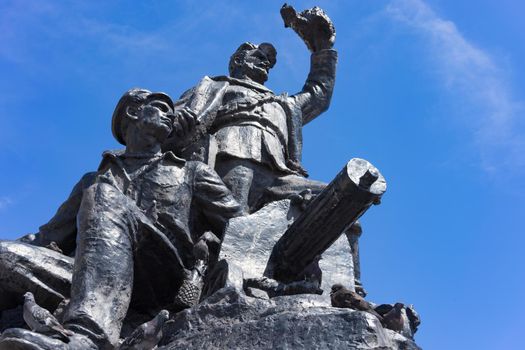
232,320
249,241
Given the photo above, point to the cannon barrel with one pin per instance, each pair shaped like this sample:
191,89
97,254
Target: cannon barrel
339,205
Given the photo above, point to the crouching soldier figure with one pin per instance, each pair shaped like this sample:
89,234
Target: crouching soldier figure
124,239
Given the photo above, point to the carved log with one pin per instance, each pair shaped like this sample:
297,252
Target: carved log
339,205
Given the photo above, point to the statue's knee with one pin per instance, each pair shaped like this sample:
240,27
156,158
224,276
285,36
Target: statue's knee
105,212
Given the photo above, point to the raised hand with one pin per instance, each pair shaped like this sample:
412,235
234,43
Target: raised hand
312,25
184,121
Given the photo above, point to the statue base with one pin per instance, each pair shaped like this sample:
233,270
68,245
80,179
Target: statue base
232,320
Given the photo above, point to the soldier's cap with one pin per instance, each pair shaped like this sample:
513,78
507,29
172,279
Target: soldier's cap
270,52
135,98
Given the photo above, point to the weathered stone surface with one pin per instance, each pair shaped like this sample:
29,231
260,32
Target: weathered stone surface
229,320
337,266
249,241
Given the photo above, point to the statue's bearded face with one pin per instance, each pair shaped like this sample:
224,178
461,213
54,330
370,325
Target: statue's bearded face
255,65
156,118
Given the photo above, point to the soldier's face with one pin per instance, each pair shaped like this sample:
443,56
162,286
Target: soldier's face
256,65
156,119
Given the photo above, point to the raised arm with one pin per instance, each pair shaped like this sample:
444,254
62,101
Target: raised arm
318,33
316,94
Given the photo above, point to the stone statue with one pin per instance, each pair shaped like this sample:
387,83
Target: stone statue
131,217
251,136
207,239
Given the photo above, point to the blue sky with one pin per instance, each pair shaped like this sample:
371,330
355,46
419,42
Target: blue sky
431,92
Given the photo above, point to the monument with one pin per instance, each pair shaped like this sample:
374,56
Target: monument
205,232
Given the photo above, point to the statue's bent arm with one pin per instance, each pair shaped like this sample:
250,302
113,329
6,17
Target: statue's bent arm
62,228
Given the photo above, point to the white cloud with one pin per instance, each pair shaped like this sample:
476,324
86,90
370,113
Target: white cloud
476,76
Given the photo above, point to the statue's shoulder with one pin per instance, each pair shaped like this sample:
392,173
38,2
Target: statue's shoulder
207,87
170,158
219,80
109,157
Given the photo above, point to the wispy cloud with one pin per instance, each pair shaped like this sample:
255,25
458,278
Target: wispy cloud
5,202
71,25
35,29
479,80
